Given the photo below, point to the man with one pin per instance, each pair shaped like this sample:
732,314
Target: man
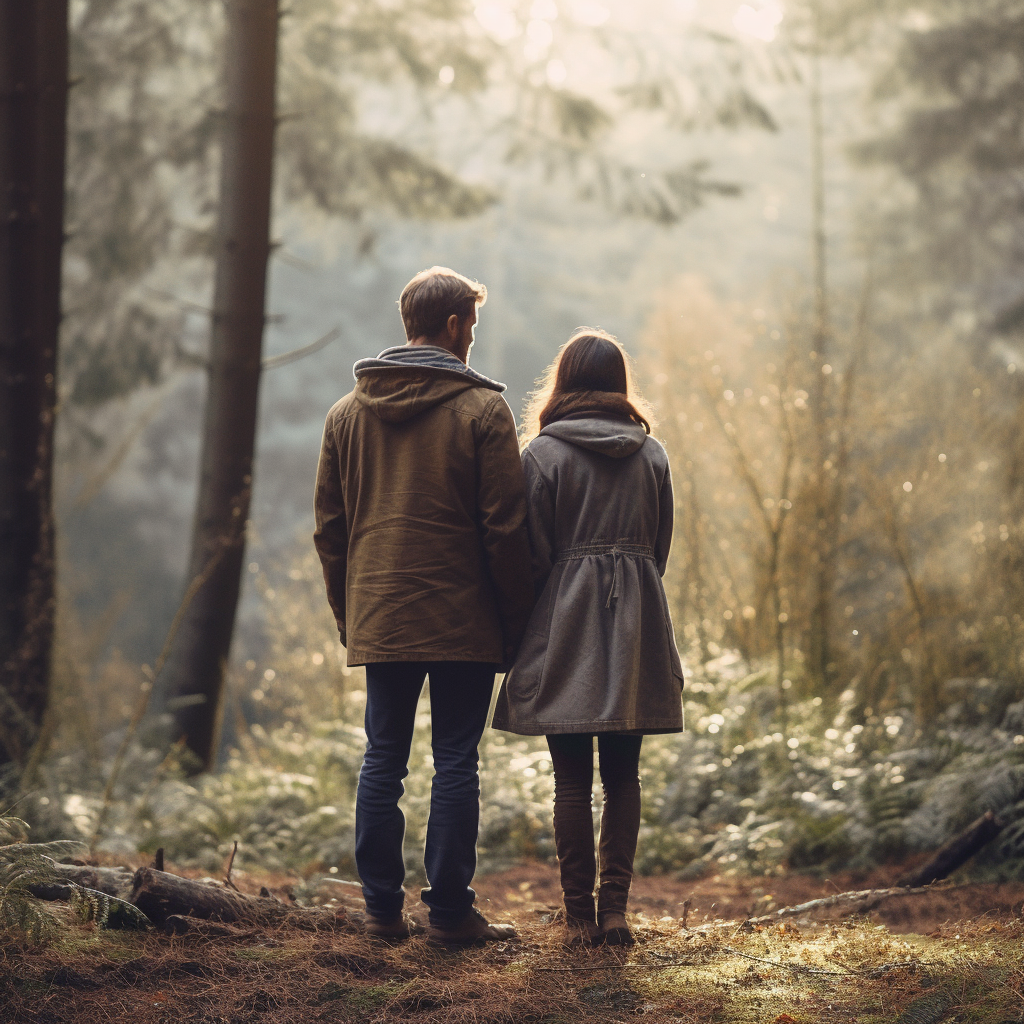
420,508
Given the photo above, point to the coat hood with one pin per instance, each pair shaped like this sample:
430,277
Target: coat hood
610,435
406,380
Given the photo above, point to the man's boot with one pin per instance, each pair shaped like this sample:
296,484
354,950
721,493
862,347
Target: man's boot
614,929
473,928
394,930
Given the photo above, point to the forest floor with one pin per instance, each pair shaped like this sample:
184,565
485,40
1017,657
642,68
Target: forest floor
955,954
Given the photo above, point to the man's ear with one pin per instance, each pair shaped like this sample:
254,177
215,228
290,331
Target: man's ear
453,327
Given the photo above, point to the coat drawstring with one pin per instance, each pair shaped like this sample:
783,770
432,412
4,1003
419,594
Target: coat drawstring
616,573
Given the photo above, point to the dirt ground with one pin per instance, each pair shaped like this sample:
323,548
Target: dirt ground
955,954
532,888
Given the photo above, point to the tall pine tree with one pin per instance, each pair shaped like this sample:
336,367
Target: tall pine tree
33,111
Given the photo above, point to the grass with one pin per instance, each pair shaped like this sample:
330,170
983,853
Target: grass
971,973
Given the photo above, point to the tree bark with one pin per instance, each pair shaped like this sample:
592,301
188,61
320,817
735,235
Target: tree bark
33,119
195,671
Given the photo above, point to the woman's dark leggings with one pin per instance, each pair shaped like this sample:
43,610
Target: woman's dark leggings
572,756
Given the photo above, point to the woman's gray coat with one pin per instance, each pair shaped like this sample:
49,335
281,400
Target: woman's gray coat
599,653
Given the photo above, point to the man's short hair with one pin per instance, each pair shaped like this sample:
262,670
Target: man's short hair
434,295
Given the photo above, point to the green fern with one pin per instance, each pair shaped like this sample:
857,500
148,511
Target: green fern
107,911
23,865
22,914
12,830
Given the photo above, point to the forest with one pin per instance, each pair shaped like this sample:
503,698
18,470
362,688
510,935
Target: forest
804,221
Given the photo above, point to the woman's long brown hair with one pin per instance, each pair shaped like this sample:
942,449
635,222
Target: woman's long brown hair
591,373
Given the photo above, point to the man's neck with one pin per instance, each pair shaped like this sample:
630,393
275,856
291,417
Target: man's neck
436,343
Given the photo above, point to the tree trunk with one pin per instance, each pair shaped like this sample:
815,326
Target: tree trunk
196,666
825,549
33,118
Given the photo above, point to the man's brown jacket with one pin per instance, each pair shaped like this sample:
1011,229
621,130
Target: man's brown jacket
420,508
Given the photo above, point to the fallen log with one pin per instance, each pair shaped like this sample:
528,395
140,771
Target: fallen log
160,895
956,852
62,878
861,902
917,883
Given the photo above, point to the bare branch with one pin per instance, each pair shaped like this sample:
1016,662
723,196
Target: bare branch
742,463
96,482
192,307
273,362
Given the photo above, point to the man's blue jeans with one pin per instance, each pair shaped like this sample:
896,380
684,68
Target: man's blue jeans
460,694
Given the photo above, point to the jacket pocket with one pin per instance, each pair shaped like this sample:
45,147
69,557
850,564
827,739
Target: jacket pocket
523,682
677,667
525,686
673,650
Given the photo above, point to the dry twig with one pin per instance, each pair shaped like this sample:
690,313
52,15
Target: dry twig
231,864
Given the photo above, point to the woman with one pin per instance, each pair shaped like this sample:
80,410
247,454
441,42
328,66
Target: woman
599,656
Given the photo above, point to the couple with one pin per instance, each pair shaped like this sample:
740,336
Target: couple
447,555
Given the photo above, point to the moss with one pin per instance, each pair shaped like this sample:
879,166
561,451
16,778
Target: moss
97,943
32,986
121,952
372,997
866,974
357,997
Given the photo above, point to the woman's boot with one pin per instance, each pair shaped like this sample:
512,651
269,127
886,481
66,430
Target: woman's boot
614,930
573,761
620,824
579,932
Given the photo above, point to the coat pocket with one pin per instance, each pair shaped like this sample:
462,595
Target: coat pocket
677,667
528,671
673,650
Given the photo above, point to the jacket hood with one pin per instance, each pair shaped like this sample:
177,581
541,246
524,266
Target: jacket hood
610,435
406,380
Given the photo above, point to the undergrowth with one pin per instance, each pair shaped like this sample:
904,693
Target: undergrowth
748,790
736,794
22,866
26,867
